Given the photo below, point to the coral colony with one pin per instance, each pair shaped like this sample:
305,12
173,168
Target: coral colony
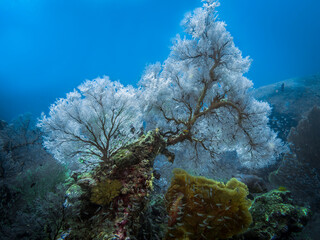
150,162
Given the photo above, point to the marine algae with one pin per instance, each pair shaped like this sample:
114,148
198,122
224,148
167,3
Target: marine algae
201,208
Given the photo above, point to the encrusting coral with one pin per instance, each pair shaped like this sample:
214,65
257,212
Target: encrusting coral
114,195
201,208
276,216
104,192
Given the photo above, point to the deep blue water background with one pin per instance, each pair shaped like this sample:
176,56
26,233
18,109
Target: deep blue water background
48,47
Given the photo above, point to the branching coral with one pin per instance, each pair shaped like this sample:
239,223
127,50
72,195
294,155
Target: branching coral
201,208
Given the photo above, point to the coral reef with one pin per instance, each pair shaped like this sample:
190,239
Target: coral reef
299,170
275,216
305,139
153,220
254,183
105,192
32,184
116,193
201,208
290,106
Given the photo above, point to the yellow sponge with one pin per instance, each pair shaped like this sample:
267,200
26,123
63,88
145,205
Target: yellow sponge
201,208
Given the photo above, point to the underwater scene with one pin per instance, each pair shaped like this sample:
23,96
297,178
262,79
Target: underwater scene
197,142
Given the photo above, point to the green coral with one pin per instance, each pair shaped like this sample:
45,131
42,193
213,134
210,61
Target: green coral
74,191
201,208
282,189
84,175
276,216
104,192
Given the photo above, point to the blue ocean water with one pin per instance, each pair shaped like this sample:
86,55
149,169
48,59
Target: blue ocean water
47,48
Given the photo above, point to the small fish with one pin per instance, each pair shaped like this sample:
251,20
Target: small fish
32,185
203,236
99,208
92,218
173,213
200,214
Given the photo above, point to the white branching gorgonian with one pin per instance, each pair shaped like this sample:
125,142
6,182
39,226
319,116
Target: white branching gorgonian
95,120
201,96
